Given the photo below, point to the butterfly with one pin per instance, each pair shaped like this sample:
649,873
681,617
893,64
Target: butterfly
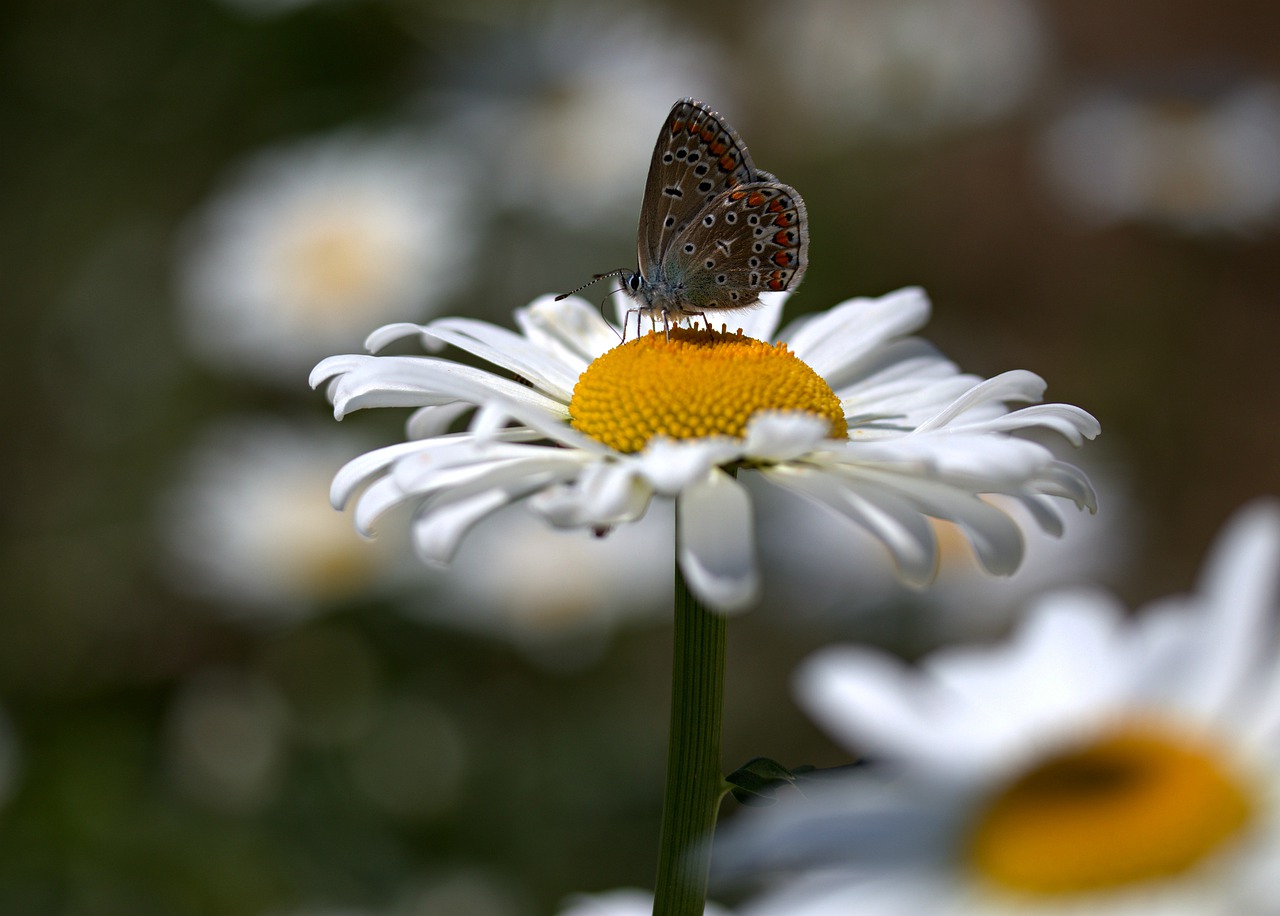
715,231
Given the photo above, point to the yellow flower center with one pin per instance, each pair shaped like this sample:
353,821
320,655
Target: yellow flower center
1137,804
697,383
333,265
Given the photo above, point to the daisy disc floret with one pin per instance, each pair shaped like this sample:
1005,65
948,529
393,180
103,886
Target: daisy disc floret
843,408
694,383
1099,762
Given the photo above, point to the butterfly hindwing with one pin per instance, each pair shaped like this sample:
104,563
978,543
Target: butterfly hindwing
747,240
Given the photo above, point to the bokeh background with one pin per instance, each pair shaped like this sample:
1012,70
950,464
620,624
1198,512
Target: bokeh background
216,699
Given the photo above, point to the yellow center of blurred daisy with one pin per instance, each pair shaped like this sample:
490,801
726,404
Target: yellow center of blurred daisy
1137,804
697,383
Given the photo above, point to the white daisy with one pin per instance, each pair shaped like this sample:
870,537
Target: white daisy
904,68
850,413
245,524
1097,763
307,246
1195,163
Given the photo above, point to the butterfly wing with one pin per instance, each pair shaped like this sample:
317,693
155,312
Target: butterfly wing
697,158
750,239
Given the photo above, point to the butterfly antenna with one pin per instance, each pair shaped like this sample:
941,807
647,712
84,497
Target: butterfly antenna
594,279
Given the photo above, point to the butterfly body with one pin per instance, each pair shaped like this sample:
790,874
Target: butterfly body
715,231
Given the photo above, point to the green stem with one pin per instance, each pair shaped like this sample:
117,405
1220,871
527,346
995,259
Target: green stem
695,783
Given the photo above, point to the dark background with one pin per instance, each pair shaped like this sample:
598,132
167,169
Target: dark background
124,119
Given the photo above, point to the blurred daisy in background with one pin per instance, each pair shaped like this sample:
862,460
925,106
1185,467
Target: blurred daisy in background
842,582
248,527
850,413
227,735
622,902
307,246
901,68
559,595
1192,161
562,109
1097,762
458,891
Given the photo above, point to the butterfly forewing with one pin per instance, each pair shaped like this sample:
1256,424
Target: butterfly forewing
696,158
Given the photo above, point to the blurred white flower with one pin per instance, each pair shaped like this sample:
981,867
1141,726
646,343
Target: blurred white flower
248,526
226,737
850,413
561,109
1096,763
623,902
901,68
307,246
1194,163
558,594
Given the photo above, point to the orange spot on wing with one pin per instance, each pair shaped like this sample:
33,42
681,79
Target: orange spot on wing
776,206
755,200
783,220
728,163
782,237
782,259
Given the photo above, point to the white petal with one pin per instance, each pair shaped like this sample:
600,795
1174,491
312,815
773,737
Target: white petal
1074,424
422,474
419,381
831,341
759,321
439,529
353,475
377,499
1239,590
481,467
871,702
390,333
716,545
572,328
896,523
981,462
1015,385
510,351
1056,690
603,494
427,422
670,465
782,435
